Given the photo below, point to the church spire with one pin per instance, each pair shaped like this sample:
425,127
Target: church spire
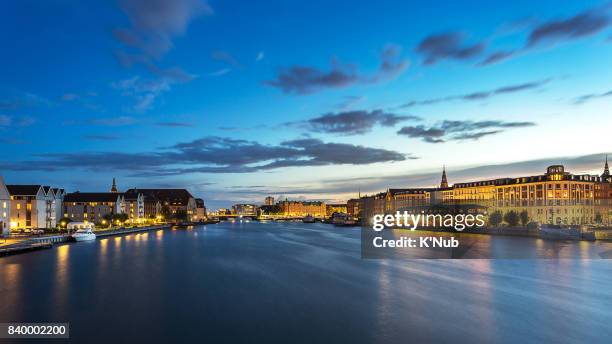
114,187
444,182
606,172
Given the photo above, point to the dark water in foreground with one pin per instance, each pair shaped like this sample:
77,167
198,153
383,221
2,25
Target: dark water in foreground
294,282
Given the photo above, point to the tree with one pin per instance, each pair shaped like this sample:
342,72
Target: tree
495,218
598,218
120,217
524,215
108,218
180,215
511,218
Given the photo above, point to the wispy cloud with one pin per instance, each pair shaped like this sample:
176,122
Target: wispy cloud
105,122
174,124
480,95
226,57
304,79
260,56
101,137
16,121
448,45
459,130
587,97
352,122
220,72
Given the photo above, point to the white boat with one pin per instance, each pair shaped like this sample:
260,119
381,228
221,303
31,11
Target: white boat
85,234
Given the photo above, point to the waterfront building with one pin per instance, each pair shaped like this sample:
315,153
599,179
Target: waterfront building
303,208
167,202
555,197
134,205
92,206
269,200
353,207
200,210
5,208
340,208
58,204
30,207
244,209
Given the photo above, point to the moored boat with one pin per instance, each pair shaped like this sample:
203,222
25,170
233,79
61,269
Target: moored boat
84,234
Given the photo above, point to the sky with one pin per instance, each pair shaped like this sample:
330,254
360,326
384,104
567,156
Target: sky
238,100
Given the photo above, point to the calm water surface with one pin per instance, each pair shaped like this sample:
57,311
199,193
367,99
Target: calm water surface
294,282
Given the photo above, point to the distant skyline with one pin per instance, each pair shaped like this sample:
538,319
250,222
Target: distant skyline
240,100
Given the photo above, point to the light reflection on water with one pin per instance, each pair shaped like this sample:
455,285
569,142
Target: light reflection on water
303,283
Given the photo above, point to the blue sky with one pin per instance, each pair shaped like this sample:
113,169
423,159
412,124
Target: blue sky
239,99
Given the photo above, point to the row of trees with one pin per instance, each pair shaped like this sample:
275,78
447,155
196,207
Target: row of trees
512,218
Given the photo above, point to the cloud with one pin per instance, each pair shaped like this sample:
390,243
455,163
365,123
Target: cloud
587,97
349,101
144,91
156,22
12,121
581,25
496,57
304,79
220,72
100,137
105,122
174,124
459,130
260,56
448,45
214,155
352,122
480,95
224,56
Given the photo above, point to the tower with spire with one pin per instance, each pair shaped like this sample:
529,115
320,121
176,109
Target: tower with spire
114,186
606,173
444,182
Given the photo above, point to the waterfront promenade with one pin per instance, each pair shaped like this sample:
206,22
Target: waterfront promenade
303,283
15,245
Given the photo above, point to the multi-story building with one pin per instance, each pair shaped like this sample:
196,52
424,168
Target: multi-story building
5,208
353,207
339,208
556,197
244,209
303,208
134,206
92,206
29,207
200,210
269,200
168,202
58,204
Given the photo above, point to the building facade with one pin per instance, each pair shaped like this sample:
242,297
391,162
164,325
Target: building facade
244,209
92,207
5,208
29,207
302,208
200,210
269,200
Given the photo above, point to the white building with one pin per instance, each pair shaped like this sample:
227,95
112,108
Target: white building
28,207
5,208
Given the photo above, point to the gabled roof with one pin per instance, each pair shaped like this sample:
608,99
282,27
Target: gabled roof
92,197
172,196
23,190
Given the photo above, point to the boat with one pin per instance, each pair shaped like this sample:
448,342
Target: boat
83,234
308,219
560,232
343,220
